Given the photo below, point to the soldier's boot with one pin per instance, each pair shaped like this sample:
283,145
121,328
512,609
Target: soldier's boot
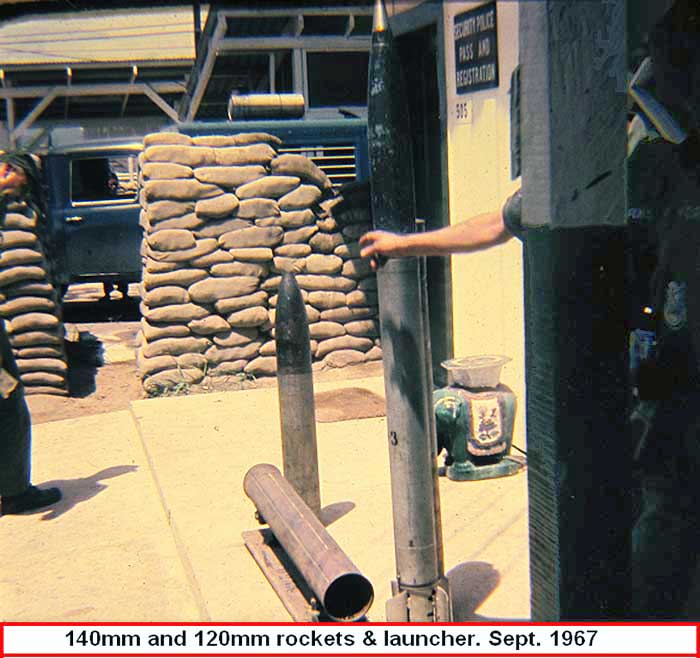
30,500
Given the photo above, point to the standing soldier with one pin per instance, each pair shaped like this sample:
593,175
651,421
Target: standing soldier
18,176
665,537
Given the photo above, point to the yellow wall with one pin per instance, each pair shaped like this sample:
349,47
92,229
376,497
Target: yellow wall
487,287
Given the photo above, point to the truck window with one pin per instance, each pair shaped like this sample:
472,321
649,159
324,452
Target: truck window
104,180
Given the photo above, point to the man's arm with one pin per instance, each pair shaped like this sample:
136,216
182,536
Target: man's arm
475,234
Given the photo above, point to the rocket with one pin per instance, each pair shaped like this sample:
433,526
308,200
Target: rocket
420,592
389,133
296,393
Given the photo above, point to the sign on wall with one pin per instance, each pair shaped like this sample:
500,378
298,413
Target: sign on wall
476,49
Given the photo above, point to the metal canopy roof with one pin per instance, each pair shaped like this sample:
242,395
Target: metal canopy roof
234,53
242,48
62,64
10,9
115,89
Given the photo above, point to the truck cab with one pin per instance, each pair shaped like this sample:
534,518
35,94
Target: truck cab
93,211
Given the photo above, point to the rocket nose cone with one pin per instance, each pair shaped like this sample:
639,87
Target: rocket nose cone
288,288
291,329
290,304
381,20
287,280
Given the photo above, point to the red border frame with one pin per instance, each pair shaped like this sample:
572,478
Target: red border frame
301,652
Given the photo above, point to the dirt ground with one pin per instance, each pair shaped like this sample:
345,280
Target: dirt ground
97,384
103,377
116,385
102,337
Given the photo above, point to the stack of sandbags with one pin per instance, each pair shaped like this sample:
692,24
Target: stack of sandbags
29,304
340,292
223,217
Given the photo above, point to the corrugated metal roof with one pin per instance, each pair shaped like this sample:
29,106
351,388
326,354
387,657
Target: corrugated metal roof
99,36
69,54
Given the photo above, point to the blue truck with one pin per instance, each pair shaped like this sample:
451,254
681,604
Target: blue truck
93,212
93,190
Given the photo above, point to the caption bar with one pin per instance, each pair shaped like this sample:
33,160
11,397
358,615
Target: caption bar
678,640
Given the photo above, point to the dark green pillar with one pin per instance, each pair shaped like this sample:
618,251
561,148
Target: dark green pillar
572,56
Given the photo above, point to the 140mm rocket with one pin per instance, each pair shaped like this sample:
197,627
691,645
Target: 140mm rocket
421,592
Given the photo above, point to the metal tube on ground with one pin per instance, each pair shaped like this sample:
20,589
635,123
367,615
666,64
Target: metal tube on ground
296,393
421,592
344,592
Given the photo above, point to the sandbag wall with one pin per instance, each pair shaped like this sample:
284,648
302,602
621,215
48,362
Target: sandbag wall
29,304
223,217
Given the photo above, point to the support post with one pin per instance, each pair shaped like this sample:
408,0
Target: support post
189,111
574,147
197,25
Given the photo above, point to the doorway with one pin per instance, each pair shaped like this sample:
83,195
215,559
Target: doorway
419,55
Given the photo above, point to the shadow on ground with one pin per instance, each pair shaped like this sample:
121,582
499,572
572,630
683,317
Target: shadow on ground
103,310
471,583
331,513
79,490
85,355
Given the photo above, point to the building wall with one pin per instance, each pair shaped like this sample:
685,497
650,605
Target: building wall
487,287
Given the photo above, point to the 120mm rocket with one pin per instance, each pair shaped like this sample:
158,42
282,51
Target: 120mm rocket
420,592
295,385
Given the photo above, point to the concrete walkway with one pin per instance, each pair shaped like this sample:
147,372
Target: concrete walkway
153,510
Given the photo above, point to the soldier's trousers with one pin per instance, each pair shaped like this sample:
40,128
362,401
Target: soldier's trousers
666,536
15,430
